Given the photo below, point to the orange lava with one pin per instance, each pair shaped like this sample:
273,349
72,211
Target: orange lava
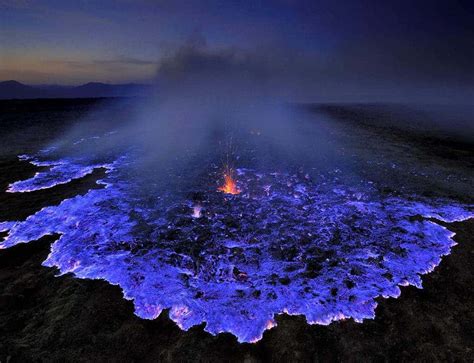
229,186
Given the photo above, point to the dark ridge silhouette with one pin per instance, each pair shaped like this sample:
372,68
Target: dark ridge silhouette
16,90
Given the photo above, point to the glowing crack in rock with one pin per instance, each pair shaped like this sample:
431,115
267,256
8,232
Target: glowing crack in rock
285,244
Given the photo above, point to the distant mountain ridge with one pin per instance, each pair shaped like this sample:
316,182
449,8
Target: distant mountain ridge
15,90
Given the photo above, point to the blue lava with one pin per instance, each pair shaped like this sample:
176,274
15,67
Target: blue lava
58,172
286,244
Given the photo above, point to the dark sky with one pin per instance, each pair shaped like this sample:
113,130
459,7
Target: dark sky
328,48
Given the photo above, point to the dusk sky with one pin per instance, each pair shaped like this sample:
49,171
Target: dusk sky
361,43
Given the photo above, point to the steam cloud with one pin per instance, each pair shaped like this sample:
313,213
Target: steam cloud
212,107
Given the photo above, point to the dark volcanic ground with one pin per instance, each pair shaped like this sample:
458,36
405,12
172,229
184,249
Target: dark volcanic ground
47,318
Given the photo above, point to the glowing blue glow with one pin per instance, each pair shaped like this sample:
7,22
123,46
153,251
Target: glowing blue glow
285,244
58,172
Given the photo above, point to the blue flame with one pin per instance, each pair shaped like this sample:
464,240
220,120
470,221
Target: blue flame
286,244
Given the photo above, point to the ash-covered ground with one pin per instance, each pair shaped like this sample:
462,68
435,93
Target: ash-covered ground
325,238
